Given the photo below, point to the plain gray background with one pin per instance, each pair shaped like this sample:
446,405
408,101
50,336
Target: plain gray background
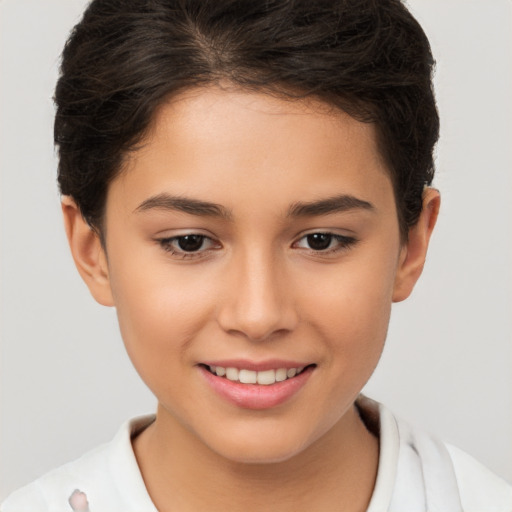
66,383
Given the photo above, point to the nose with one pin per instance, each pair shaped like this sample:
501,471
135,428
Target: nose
258,301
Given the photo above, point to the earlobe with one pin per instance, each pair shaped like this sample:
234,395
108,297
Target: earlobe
88,252
414,252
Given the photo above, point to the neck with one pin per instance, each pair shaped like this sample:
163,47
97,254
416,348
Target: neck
336,472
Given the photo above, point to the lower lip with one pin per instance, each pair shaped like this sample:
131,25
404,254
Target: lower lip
256,396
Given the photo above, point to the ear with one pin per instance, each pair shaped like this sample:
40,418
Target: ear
414,251
88,252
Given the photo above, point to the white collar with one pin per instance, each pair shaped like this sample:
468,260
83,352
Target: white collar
415,472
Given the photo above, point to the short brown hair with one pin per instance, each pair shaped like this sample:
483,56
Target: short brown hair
369,58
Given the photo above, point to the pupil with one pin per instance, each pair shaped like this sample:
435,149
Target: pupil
319,241
190,242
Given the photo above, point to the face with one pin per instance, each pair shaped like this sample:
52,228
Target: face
254,237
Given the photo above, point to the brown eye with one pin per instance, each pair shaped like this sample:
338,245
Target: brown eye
319,241
190,243
325,243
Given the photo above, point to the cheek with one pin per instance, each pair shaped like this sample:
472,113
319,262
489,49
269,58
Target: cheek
350,309
160,310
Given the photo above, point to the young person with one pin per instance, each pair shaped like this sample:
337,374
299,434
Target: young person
248,183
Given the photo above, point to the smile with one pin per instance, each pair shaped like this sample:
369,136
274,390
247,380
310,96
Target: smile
264,378
256,385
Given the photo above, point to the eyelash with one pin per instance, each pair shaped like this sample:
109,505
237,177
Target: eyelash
343,243
167,244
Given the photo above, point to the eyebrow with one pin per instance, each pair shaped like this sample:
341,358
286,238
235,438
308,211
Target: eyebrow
185,205
335,204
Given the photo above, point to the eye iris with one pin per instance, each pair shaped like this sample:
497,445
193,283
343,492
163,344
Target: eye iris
190,243
319,241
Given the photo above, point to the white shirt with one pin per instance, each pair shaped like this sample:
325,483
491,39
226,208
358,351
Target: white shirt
416,473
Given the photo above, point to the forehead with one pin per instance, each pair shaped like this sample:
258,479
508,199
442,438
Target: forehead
234,145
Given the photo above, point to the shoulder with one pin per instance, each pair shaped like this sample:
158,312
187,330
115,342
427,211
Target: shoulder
108,475
448,471
418,472
30,497
480,488
53,490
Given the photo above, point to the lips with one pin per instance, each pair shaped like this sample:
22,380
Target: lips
256,386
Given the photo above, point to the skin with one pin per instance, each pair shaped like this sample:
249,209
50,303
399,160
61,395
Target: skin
255,290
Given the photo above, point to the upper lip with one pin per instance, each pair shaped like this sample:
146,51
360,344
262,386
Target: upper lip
257,366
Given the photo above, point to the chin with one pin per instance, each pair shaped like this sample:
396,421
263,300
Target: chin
262,447
261,454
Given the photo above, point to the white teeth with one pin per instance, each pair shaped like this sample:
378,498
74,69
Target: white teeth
247,377
232,373
267,377
291,372
281,374
264,378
